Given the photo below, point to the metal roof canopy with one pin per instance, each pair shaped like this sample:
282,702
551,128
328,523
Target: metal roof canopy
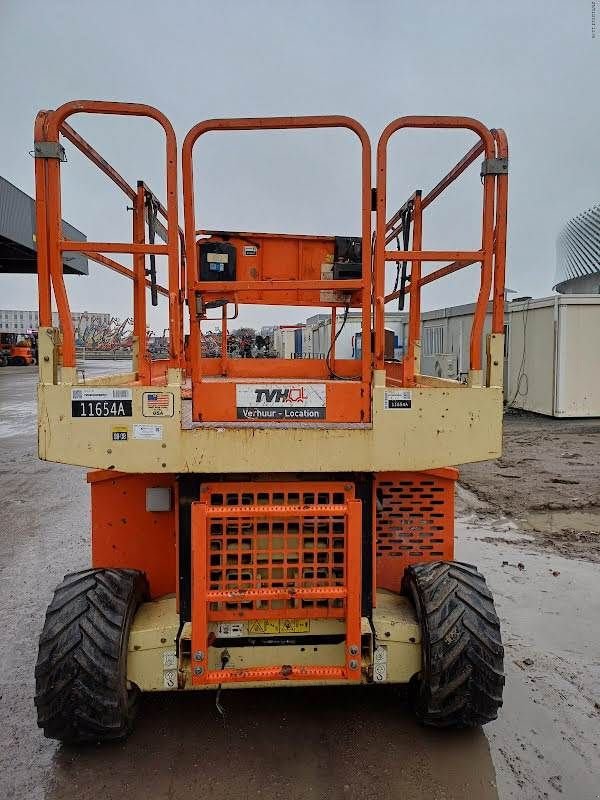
18,240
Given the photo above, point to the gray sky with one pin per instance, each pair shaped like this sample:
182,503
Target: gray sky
530,67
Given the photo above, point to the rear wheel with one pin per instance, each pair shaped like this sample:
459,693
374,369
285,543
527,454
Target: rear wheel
82,694
17,361
462,677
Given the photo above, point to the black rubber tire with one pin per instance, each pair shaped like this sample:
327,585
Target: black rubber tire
461,683
18,361
81,690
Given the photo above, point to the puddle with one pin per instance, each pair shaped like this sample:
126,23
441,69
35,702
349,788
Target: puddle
587,520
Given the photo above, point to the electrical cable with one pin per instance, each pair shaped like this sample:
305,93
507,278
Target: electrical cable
225,657
336,337
152,209
522,375
406,218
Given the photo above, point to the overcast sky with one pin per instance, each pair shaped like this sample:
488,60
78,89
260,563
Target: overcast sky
529,67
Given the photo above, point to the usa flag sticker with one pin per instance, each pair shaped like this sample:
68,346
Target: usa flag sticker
157,404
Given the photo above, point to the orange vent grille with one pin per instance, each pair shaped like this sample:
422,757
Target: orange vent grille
298,543
414,521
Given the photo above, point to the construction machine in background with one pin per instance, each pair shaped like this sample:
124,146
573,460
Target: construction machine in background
18,350
269,522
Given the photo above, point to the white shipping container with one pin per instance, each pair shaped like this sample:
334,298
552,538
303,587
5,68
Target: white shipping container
284,339
554,357
552,353
346,343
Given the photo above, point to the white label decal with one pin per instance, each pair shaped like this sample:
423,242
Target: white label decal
380,663
217,258
100,393
170,679
147,431
293,401
250,251
228,630
397,399
169,659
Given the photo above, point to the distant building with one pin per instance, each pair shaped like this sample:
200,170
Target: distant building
267,330
551,354
578,254
24,320
287,341
317,334
18,243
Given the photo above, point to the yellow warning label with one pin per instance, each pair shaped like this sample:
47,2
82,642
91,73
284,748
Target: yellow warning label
278,626
263,626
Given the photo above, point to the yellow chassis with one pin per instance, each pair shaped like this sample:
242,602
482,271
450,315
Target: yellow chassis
449,423
390,654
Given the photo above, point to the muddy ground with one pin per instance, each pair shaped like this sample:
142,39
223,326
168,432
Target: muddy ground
547,482
304,743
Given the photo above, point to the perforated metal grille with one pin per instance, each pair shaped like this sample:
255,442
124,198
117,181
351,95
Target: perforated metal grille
414,522
280,550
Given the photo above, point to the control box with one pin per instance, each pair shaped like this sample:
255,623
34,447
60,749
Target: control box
216,261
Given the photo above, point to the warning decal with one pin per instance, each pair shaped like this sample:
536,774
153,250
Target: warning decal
275,626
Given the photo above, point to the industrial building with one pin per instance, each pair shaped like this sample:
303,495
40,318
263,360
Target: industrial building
578,254
317,334
18,255
18,235
551,353
288,340
26,320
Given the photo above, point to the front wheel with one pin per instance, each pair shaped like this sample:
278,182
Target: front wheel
462,677
81,688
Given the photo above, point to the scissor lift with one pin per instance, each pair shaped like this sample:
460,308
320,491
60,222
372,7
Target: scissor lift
268,521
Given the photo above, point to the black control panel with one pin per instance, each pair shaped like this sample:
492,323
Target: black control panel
217,261
347,258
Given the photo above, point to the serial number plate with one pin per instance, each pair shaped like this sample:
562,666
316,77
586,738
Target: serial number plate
101,408
101,402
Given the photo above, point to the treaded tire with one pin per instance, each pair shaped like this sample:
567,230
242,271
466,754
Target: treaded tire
81,691
462,679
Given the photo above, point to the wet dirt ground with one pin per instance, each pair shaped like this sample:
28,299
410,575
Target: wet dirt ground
298,743
547,481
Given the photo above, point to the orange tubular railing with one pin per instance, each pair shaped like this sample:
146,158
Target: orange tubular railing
500,235
491,256
275,123
181,250
51,246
